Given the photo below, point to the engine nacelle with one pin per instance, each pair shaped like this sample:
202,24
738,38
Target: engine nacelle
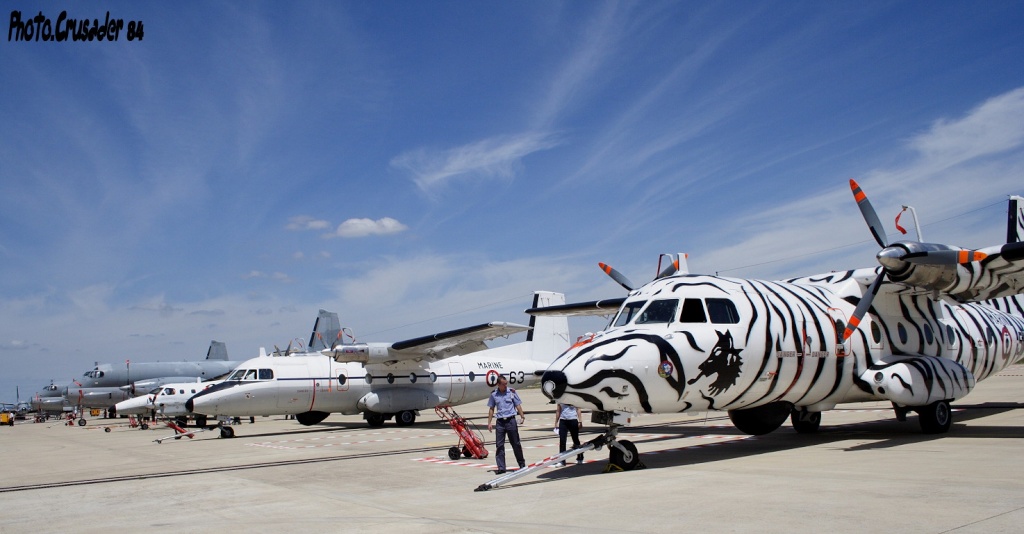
364,353
919,380
394,400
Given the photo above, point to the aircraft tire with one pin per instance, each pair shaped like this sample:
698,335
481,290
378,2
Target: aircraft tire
806,422
375,420
81,422
762,419
936,418
200,421
405,418
625,461
454,453
227,432
144,426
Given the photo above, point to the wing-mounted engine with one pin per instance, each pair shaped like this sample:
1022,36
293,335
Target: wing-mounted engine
364,353
918,380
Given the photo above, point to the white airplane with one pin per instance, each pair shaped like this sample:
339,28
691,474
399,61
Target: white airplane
919,332
165,401
385,380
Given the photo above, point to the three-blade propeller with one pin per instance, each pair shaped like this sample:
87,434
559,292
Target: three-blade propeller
893,257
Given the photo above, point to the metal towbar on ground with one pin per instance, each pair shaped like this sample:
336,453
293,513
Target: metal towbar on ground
594,444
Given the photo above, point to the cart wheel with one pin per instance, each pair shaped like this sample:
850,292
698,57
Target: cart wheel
106,429
465,452
144,426
453,453
227,432
81,422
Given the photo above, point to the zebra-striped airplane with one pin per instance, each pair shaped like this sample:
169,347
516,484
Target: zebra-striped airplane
918,331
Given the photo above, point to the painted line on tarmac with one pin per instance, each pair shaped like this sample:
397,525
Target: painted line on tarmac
324,441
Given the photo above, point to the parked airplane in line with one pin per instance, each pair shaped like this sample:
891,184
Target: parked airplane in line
107,384
50,400
918,332
385,380
167,400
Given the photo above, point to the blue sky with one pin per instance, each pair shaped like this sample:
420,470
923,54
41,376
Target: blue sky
421,166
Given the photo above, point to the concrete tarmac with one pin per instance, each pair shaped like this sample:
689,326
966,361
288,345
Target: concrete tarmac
863,472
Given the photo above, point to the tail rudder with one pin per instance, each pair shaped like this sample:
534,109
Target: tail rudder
217,351
326,330
549,335
1015,220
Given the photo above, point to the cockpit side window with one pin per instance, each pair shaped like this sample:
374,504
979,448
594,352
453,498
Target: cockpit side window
250,374
266,374
660,311
237,375
168,391
693,312
627,312
723,311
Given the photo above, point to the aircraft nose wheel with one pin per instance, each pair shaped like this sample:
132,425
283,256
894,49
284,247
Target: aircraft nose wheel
623,456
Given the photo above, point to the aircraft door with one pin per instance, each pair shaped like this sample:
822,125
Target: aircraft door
341,378
458,381
839,321
296,394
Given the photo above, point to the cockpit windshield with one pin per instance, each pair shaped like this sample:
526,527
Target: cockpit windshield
627,313
660,311
252,374
168,391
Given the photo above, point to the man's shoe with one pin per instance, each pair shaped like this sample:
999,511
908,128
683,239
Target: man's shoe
561,464
499,471
579,462
522,466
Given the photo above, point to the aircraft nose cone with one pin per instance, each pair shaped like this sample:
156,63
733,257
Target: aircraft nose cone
553,384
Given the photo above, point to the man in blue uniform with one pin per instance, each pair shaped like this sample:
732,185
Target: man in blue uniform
507,403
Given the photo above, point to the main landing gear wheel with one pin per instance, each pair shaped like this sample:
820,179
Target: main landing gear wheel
81,422
375,420
805,422
762,419
936,418
627,460
405,418
227,432
454,453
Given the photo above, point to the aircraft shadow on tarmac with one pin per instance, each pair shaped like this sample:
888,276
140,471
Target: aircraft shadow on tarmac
882,434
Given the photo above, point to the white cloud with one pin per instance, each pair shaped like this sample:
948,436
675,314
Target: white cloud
993,127
493,157
367,227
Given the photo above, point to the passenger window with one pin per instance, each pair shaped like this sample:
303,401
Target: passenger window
660,311
693,312
266,374
723,311
627,312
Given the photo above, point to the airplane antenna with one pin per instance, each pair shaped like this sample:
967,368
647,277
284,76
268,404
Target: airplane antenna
917,224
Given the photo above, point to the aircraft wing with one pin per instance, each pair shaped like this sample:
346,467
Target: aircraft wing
604,307
453,342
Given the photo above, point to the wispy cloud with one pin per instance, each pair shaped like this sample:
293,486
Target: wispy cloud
495,157
304,222
368,227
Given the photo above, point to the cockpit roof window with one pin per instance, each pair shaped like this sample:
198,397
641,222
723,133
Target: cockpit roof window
693,312
659,311
627,312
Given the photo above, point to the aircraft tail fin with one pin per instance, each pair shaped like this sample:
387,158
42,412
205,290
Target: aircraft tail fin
217,351
550,335
326,330
1015,220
